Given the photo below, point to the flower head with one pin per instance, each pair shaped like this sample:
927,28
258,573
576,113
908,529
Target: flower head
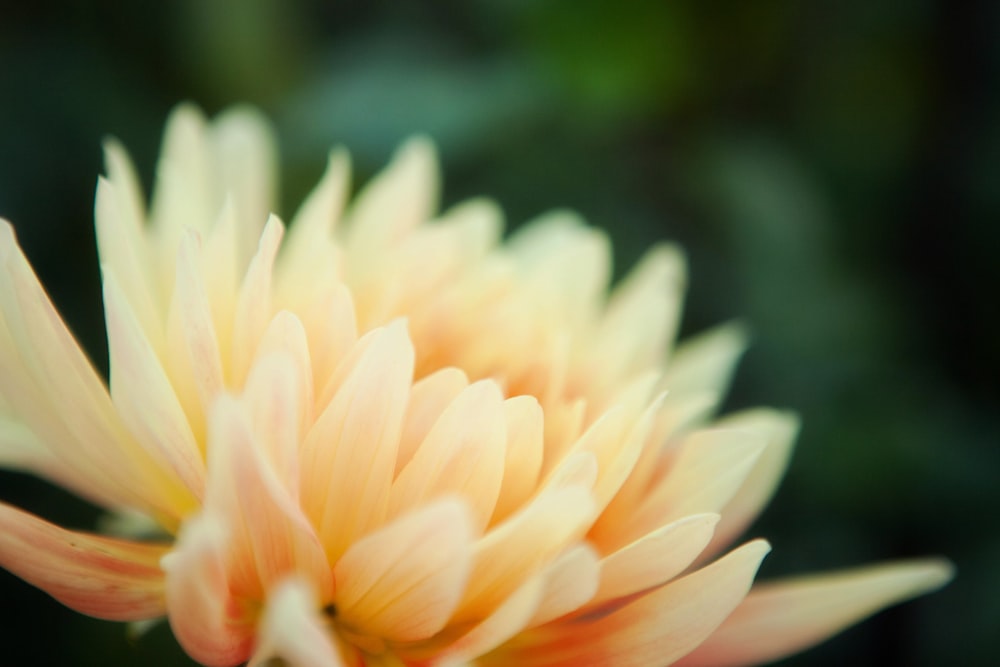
386,438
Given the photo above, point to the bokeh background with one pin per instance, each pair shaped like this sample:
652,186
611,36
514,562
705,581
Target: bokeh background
832,168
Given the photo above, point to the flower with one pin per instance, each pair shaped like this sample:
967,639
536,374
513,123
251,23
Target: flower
383,439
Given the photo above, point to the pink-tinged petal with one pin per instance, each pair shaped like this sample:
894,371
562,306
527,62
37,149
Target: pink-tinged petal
402,582
245,155
656,629
525,450
143,395
463,455
47,381
270,537
655,558
213,626
253,303
780,618
99,576
293,630
569,583
349,455
780,428
523,545
193,343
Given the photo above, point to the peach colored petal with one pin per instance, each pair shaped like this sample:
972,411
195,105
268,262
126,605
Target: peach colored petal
428,399
569,583
253,302
525,449
99,576
462,454
522,545
654,558
293,630
143,395
780,428
349,455
705,362
783,617
402,582
655,629
213,626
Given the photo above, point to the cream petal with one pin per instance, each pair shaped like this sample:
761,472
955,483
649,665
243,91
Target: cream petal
144,396
331,331
292,629
402,582
254,308
705,363
210,623
122,245
400,198
655,558
47,381
463,454
780,429
245,155
641,318
128,191
567,264
780,618
656,629
570,582
98,576
349,455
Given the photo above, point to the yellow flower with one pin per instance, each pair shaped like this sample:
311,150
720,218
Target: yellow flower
387,439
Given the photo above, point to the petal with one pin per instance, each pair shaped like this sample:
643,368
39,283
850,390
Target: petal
47,381
292,629
655,629
655,558
523,545
706,361
209,622
570,582
428,399
780,618
463,455
144,396
349,455
269,535
525,450
254,308
780,429
99,576
402,582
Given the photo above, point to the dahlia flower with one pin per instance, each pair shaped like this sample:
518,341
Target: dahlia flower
389,438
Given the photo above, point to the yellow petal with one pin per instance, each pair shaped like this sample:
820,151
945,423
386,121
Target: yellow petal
525,450
254,307
402,582
99,576
569,583
428,399
783,617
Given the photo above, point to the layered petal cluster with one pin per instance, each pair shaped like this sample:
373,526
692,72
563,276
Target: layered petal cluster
388,437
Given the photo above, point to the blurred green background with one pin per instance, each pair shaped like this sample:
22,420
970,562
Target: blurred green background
832,168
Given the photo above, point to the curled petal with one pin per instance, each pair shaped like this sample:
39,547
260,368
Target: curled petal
99,576
780,618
